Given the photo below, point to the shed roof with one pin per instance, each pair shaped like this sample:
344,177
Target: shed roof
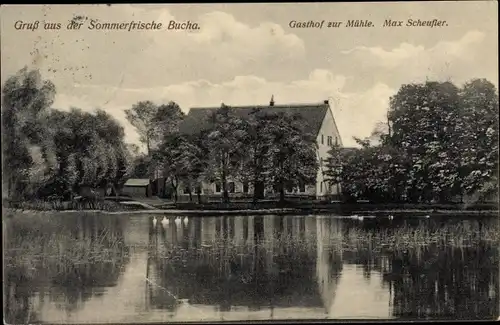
137,182
198,118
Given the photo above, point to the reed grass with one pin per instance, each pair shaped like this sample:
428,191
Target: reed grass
35,242
42,205
349,238
43,248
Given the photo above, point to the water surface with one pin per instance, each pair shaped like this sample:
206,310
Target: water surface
124,268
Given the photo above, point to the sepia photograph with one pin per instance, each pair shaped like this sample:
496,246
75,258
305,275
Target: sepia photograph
228,162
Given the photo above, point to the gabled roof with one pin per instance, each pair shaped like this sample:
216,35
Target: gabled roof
198,118
137,182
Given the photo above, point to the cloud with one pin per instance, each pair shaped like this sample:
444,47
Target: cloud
447,60
405,52
150,58
389,59
356,112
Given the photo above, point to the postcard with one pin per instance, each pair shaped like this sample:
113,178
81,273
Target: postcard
250,162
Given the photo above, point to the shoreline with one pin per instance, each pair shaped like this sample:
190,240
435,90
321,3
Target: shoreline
275,211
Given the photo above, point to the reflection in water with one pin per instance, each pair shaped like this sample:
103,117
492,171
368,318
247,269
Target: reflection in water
63,262
259,267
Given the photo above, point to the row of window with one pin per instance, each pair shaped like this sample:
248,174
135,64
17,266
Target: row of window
231,188
329,140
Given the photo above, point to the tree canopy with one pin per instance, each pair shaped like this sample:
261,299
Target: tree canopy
441,144
51,153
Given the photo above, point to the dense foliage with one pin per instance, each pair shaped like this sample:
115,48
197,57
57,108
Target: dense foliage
265,150
441,145
53,154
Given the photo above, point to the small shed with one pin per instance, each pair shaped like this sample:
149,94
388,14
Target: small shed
137,187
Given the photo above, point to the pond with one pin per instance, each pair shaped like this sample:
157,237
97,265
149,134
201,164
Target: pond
102,268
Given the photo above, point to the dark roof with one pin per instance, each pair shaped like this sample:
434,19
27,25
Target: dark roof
198,118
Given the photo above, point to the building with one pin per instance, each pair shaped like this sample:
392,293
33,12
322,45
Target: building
137,187
318,120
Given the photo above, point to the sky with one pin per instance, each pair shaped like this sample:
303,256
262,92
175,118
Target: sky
242,54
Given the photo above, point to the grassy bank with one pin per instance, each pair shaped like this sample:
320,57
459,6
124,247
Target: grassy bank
249,208
321,205
40,205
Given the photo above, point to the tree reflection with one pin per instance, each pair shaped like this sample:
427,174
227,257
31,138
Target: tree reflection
445,282
448,271
244,264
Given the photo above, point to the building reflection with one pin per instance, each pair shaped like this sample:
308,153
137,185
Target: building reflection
249,262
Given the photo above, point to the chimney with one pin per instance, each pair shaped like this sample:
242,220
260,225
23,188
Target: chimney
325,101
271,103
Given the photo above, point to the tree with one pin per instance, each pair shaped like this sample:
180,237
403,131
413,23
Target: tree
423,119
193,156
143,116
141,166
90,152
26,99
479,138
293,153
443,143
183,160
256,164
167,119
225,146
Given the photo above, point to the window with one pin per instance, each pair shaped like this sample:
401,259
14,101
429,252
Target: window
245,187
231,187
329,141
336,141
186,190
302,187
198,190
322,139
321,187
217,188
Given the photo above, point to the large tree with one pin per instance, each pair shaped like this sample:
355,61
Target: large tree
167,119
183,160
478,139
293,152
26,99
143,116
90,151
154,121
425,125
225,146
258,141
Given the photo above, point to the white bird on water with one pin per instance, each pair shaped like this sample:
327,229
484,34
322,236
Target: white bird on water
391,217
177,221
165,221
185,220
360,218
154,222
